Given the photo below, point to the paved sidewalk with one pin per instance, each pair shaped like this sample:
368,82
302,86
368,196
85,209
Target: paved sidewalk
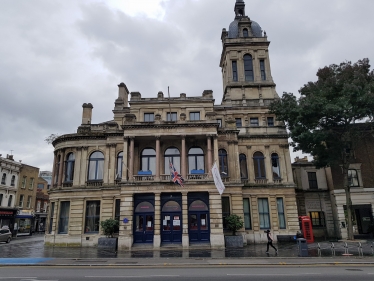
31,251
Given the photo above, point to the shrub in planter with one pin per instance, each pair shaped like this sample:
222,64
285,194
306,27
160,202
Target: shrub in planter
109,227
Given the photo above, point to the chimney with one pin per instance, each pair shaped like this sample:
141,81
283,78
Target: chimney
9,157
123,94
87,113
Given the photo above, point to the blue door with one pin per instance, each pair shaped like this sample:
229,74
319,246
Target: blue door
171,222
144,223
198,222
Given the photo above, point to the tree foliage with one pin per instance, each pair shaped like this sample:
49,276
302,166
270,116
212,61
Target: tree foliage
234,223
331,115
51,138
109,227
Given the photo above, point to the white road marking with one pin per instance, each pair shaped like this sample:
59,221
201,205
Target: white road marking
267,274
129,276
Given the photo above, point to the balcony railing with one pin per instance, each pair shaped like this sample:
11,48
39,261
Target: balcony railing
277,181
195,177
94,183
67,184
261,181
144,178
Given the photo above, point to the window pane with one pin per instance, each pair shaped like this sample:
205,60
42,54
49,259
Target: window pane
263,209
312,177
234,71
254,121
247,214
92,216
281,215
262,68
64,217
100,170
238,122
270,121
275,166
243,166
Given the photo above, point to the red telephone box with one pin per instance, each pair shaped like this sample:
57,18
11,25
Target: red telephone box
306,228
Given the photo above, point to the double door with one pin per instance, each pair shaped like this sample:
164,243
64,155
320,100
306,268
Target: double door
144,228
198,226
171,227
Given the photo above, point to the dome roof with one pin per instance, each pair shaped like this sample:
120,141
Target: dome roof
234,29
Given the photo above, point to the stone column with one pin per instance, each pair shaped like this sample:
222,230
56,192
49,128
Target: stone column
236,159
268,68
125,159
156,223
269,173
287,159
215,148
83,166
157,178
60,172
256,67
106,164
53,169
112,163
183,158
77,164
209,146
185,238
131,164
251,171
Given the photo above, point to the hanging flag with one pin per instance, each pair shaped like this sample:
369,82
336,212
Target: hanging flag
175,176
217,179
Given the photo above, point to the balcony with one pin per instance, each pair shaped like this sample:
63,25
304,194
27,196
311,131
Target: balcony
94,183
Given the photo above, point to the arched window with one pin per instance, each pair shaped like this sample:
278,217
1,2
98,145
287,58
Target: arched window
275,166
195,159
198,205
69,167
57,168
119,165
3,178
245,32
96,166
248,67
259,165
144,207
243,166
12,182
149,160
172,154
223,167
171,206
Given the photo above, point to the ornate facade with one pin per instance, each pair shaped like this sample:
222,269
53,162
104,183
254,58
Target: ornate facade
121,168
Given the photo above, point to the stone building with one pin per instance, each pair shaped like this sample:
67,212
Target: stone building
26,197
41,204
9,172
313,197
121,168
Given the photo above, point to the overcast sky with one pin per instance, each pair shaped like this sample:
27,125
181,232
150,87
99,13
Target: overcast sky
57,55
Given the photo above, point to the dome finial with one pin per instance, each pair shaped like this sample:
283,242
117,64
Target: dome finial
239,8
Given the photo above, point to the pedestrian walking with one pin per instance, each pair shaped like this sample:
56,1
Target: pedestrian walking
270,242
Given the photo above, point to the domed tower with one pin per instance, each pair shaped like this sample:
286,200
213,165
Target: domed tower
245,61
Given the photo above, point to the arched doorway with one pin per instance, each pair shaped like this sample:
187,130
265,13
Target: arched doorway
198,221
171,222
144,222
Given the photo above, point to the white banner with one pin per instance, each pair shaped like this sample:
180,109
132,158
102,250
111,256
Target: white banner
217,179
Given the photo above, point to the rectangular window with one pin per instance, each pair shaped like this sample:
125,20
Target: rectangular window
10,200
353,178
238,122
1,199
31,187
225,210
149,117
234,71
29,201
270,121
219,121
281,216
262,68
117,213
317,218
21,198
247,214
173,116
38,204
92,217
254,122
312,178
23,182
51,217
40,186
63,225
263,212
194,116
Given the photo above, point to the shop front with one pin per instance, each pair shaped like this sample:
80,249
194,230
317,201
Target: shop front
7,218
24,223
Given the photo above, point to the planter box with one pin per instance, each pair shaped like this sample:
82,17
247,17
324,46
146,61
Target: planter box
106,243
234,241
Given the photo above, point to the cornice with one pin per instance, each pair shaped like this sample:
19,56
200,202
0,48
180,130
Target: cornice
169,126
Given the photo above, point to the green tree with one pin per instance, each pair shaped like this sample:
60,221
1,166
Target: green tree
331,116
109,227
234,223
